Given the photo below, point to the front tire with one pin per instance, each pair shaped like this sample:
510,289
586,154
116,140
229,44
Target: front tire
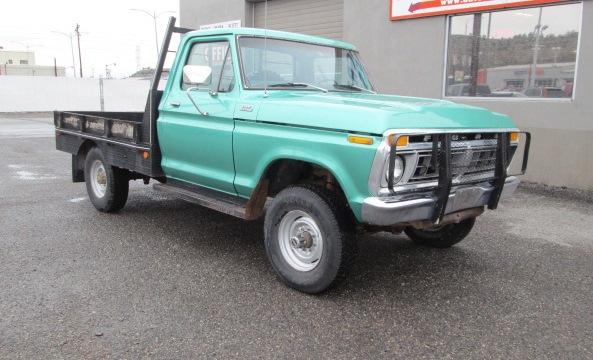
309,239
443,237
106,185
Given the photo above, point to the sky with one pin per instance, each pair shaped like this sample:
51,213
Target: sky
110,32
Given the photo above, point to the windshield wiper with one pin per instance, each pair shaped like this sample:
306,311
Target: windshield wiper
349,86
298,84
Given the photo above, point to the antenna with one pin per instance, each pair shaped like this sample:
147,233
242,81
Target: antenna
266,49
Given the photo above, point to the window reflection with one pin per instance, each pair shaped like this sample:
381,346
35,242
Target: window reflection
514,53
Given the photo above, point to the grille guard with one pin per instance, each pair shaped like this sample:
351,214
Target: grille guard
441,146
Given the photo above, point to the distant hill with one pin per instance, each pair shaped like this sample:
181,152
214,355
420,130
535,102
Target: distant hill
515,50
147,74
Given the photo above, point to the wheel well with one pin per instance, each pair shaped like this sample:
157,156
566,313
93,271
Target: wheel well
85,147
286,172
283,173
80,158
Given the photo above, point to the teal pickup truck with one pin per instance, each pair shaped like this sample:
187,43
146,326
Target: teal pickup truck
256,123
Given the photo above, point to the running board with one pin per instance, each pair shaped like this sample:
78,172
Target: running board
224,203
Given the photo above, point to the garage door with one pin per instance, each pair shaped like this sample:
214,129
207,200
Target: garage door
312,17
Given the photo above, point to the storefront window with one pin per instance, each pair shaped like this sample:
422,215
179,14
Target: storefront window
529,53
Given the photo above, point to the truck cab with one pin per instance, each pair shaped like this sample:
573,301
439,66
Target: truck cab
257,123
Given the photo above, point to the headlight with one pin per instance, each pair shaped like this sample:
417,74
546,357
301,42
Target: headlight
398,169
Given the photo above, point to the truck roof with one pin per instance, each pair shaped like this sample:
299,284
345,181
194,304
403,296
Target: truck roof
275,35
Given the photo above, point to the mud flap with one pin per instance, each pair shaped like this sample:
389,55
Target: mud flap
77,169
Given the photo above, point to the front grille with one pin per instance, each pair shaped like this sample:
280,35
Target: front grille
462,137
469,164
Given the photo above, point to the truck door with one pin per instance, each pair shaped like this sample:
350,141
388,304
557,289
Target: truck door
197,148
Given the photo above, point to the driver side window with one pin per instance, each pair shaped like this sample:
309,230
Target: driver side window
210,54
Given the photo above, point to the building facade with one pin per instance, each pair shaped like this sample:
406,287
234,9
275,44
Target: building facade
533,63
18,63
17,57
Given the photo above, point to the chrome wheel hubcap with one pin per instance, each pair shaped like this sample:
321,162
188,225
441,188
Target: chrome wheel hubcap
98,178
301,242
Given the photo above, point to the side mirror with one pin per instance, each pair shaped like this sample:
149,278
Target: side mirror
197,75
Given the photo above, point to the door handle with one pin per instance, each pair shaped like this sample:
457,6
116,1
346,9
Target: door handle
175,103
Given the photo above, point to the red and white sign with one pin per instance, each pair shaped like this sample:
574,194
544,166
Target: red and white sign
409,9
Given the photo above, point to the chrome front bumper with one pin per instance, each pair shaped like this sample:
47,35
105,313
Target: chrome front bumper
392,210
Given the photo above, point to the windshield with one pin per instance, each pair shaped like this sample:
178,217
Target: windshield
304,66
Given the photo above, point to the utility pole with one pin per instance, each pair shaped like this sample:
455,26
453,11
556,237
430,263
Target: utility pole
77,31
538,32
55,68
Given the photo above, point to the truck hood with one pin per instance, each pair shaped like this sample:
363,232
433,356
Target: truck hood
373,113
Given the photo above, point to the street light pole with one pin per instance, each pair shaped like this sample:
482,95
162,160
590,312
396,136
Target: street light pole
154,17
156,34
71,49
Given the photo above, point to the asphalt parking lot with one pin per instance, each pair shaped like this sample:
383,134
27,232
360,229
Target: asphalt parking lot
166,279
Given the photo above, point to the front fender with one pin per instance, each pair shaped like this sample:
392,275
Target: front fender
257,145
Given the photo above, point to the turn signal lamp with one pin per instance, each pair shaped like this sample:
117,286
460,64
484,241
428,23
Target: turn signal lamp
402,141
514,137
362,140
145,155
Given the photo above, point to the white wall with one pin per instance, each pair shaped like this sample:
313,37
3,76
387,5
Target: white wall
40,93
14,57
31,70
125,95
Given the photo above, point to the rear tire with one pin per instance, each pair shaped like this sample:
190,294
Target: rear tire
444,237
309,239
106,185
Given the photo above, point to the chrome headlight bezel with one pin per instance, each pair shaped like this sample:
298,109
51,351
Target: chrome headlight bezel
398,169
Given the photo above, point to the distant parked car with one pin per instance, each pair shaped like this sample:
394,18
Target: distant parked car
545,92
463,90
